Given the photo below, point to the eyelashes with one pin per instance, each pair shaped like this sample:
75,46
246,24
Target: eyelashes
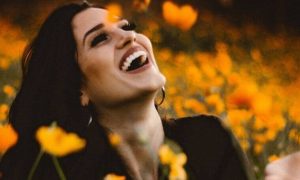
130,26
98,39
104,36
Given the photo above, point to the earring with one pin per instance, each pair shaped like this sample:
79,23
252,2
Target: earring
163,96
90,120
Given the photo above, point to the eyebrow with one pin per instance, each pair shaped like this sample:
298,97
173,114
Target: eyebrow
95,28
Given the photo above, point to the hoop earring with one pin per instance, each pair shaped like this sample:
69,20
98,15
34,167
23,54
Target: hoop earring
163,96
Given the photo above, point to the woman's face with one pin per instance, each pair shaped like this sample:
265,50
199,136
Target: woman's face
117,63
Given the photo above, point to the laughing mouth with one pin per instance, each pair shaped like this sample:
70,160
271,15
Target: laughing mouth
134,61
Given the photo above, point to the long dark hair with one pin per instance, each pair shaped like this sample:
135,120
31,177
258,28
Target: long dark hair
50,90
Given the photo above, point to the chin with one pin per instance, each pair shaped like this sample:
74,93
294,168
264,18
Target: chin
156,83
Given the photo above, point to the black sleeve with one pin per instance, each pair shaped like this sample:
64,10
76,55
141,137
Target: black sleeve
213,153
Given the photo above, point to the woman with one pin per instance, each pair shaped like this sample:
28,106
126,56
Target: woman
93,74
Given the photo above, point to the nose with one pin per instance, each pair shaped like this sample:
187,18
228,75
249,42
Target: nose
126,37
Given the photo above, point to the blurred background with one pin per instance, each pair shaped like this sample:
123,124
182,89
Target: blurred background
238,59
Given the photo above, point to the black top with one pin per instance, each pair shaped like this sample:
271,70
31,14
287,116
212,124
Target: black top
211,150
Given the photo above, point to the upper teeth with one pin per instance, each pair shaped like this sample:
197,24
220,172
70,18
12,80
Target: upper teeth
133,56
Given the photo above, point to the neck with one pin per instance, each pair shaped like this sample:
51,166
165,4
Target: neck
140,128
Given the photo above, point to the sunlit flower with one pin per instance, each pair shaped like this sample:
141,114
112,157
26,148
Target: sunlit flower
3,112
240,132
273,158
260,138
114,12
244,144
54,140
183,17
178,106
256,55
141,5
237,117
193,74
175,162
8,137
293,134
166,155
294,112
9,90
223,60
243,96
170,12
195,106
4,63
114,139
187,17
261,103
258,148
215,101
113,176
177,173
208,70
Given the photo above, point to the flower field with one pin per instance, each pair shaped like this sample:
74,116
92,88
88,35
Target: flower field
244,74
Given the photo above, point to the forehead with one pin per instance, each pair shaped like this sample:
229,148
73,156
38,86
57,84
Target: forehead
87,19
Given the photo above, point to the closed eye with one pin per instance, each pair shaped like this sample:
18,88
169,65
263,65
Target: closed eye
128,26
98,39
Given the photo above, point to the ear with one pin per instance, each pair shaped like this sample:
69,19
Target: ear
84,99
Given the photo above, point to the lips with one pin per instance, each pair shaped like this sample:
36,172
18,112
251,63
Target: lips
133,59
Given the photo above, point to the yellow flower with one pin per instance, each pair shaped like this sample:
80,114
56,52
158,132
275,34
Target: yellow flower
223,60
179,159
114,139
54,140
9,90
170,12
114,12
177,173
187,17
193,75
273,158
234,78
216,102
258,148
183,17
208,70
261,103
141,5
166,155
256,55
236,117
4,64
294,112
194,105
178,106
112,176
244,144
240,132
243,96
8,137
169,157
3,112
175,161
260,138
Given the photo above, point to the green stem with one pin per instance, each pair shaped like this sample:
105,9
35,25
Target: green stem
58,168
35,164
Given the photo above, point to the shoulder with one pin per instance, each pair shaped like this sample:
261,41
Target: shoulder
211,149
200,125
200,135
